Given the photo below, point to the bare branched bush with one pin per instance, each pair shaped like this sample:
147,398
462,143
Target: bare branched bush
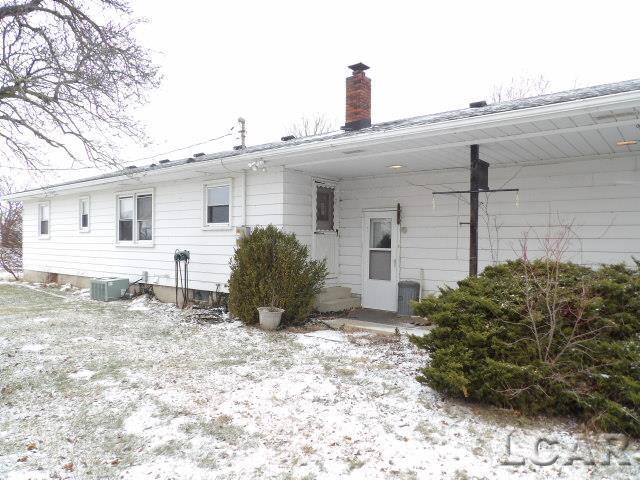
308,126
10,232
521,87
69,72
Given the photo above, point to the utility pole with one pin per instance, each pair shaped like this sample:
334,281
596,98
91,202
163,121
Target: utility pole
243,133
474,201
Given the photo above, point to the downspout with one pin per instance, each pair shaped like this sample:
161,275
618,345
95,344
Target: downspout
244,198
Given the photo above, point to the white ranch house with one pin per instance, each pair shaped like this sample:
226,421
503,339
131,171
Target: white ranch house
363,198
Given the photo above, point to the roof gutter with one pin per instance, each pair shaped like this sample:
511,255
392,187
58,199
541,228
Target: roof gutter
603,103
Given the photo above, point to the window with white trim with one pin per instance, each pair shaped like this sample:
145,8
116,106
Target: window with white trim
83,213
43,219
217,201
135,217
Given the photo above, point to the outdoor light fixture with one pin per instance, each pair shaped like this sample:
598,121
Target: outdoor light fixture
257,165
625,143
396,166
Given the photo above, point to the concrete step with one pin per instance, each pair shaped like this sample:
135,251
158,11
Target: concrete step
328,294
348,324
338,304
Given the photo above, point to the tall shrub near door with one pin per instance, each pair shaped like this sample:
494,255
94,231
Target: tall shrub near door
272,268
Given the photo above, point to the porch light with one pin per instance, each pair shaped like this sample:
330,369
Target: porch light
257,165
396,166
625,143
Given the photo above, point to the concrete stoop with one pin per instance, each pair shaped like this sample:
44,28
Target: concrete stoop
336,299
379,328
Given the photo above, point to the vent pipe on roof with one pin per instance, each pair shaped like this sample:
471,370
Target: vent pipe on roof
358,104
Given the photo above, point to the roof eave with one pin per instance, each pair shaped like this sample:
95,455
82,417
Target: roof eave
537,113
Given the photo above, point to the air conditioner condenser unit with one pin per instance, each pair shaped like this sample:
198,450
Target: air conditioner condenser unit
107,289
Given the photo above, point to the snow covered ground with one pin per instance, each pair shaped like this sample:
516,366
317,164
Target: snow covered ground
134,390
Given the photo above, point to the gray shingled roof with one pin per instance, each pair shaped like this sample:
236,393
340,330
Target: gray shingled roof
513,105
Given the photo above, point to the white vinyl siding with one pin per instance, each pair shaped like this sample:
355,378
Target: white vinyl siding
599,198
177,225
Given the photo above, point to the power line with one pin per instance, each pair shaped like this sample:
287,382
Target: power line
182,148
54,169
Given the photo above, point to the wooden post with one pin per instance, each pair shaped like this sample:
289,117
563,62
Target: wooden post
473,210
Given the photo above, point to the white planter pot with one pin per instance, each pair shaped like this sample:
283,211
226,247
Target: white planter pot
270,317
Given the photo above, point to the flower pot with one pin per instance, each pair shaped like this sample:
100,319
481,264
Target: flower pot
270,317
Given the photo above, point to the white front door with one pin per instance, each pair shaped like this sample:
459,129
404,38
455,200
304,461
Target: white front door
325,228
380,260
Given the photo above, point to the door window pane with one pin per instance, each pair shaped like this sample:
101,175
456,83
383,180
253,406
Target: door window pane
324,208
380,236
379,265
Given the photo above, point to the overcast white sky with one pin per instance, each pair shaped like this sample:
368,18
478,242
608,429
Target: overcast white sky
275,61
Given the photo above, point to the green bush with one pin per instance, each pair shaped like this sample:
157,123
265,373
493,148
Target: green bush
543,337
271,268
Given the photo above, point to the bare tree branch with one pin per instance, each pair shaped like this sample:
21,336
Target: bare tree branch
69,72
10,231
308,126
521,87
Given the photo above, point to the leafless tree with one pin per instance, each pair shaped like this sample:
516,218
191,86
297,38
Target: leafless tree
69,72
10,231
308,126
520,87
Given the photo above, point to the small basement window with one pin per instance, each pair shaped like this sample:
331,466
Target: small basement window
43,220
217,204
135,218
84,214
324,208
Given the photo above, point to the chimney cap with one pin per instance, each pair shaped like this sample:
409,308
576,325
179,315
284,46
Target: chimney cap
359,67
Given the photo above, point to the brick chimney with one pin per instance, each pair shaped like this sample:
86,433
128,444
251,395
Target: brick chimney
358,114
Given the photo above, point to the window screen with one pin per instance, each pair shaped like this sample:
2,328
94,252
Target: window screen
324,208
44,219
218,204
125,220
84,213
144,217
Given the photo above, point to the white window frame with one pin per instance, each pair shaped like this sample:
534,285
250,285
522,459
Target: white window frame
47,235
86,229
223,182
135,242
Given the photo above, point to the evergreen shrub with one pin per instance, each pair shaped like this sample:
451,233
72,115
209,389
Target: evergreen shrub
544,337
272,268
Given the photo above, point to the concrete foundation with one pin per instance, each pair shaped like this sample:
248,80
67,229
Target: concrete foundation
162,293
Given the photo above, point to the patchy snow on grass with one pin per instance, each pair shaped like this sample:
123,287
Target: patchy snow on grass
82,374
36,347
147,393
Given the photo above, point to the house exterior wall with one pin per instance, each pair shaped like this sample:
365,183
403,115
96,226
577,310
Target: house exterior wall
600,199
178,224
298,218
